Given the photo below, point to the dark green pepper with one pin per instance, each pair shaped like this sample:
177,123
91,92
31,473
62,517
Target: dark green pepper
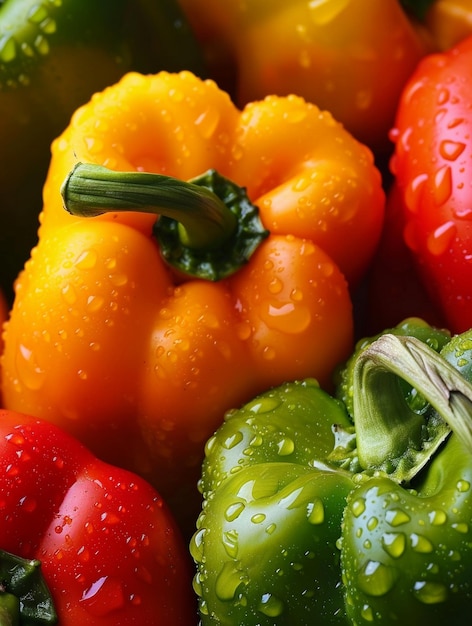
54,54
308,519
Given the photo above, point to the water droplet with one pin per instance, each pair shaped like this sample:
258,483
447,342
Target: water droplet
233,511
358,507
376,579
28,504
263,405
451,150
228,581
463,486
110,519
455,122
83,553
441,239
232,440
394,544
443,96
26,49
230,543
302,183
443,185
268,353
258,518
243,331
69,294
118,280
275,286
270,605
103,596
430,592
367,613
29,371
288,317
421,544
41,45
372,523
37,13
16,438
48,26
316,512
397,517
286,446
414,192
87,260
207,122
437,518
461,527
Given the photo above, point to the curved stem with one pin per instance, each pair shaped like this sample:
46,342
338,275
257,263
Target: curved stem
206,222
207,228
387,429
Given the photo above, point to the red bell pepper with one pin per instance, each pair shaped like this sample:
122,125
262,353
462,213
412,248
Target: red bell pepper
109,550
432,164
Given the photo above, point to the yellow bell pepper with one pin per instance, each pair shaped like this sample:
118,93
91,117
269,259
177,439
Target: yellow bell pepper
140,362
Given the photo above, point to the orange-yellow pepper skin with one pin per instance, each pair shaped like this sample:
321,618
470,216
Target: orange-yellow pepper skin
103,338
351,57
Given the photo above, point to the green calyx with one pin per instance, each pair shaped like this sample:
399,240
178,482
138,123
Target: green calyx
390,435
206,228
25,599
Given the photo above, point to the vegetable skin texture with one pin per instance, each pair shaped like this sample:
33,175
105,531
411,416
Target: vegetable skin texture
110,551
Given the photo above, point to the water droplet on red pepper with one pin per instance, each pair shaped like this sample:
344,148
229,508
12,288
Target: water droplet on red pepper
103,596
441,239
451,150
442,185
28,504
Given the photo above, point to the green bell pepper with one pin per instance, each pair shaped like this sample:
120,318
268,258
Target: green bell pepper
54,54
311,518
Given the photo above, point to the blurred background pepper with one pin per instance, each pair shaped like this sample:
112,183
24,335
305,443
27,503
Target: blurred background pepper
351,57
53,57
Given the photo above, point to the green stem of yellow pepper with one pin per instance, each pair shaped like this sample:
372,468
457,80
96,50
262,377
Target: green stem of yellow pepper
207,227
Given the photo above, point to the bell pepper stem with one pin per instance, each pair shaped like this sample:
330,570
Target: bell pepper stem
205,221
386,427
207,227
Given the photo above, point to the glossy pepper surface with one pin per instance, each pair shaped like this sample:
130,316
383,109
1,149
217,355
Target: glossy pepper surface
107,547
432,168
311,517
141,362
351,57
53,57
